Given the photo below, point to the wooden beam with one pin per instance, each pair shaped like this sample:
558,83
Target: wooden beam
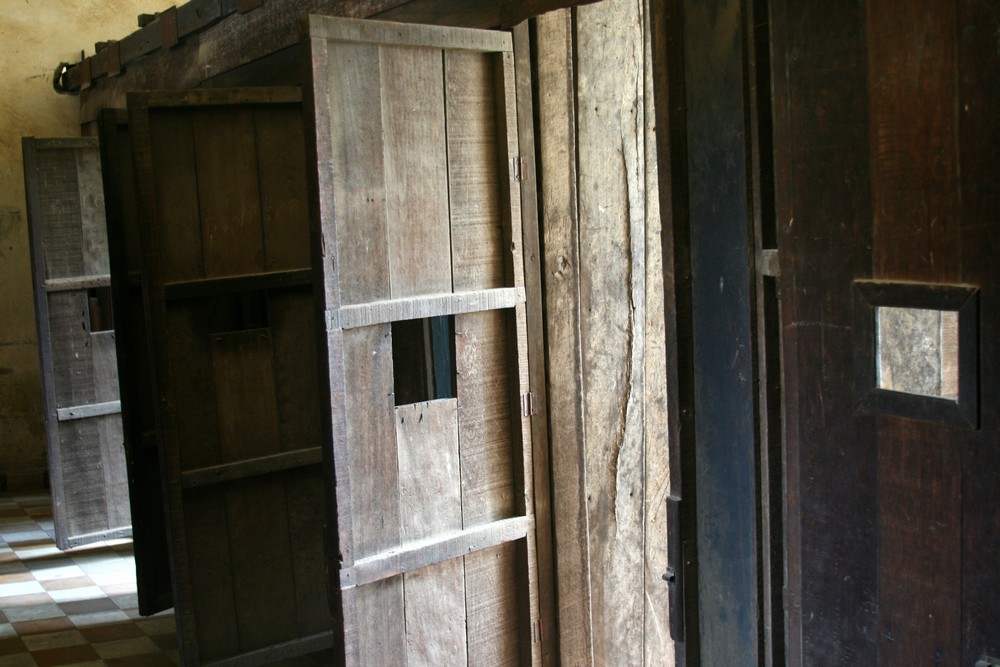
76,282
438,549
513,12
191,289
228,472
92,410
434,305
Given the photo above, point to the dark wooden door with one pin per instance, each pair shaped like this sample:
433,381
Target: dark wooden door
76,340
887,167
135,377
228,288
417,217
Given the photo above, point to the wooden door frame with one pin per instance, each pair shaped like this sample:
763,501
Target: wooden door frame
712,99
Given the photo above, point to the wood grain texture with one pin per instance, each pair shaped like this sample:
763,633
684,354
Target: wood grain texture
978,131
358,222
822,182
560,226
473,171
484,418
612,293
413,122
916,235
430,489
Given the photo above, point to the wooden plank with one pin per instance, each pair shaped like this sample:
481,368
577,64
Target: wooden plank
199,98
424,36
261,465
557,144
89,410
77,282
473,171
60,215
306,518
417,554
228,191
284,199
492,599
72,355
514,12
172,149
485,418
291,315
431,490
211,582
534,309
415,171
420,307
916,235
467,14
612,256
190,289
978,63
295,648
368,499
819,63
656,632
355,228
93,230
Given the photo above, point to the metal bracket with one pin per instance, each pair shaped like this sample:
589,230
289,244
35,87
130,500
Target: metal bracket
528,404
518,168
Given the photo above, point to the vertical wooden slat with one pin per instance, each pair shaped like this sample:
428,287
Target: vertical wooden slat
978,61
916,236
190,354
657,644
371,504
358,194
557,143
413,122
172,150
60,214
284,203
822,183
473,171
430,488
612,252
228,191
116,492
94,234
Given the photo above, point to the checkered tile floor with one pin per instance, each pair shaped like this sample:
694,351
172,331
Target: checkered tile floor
71,608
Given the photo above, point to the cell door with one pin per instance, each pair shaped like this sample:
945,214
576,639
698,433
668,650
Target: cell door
76,341
228,288
417,221
890,292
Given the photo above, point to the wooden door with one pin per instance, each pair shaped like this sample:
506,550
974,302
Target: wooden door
417,221
135,379
228,289
886,140
76,342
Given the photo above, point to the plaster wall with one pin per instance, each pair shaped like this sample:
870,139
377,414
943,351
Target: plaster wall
37,35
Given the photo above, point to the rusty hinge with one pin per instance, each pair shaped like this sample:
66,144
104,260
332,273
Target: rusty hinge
536,631
528,404
518,168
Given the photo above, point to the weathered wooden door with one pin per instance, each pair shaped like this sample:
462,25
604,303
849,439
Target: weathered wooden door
76,342
886,139
417,218
135,378
229,290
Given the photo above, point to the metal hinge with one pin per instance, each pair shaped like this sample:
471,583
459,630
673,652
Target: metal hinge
332,320
528,404
536,631
518,168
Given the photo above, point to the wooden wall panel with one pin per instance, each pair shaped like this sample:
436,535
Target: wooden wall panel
978,134
603,270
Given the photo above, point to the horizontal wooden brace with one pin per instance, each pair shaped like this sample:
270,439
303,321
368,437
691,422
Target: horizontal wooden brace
268,654
228,472
192,289
92,410
386,33
76,282
422,553
419,307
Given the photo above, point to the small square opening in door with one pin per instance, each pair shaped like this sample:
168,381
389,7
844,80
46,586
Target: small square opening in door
423,359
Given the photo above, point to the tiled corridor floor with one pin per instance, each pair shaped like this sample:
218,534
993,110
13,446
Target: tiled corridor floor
71,608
